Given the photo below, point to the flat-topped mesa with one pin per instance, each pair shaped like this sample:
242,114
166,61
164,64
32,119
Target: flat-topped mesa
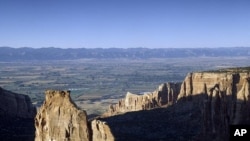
165,94
60,119
202,82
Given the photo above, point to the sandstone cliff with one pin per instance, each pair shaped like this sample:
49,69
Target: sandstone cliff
223,99
206,101
59,119
165,94
200,108
101,131
16,117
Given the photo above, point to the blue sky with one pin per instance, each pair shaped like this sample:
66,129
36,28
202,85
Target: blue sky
124,23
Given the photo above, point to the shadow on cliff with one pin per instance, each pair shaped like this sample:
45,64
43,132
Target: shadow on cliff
16,117
17,129
190,119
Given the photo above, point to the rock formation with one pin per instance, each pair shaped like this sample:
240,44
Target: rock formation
101,131
16,116
165,94
223,99
200,108
59,119
15,105
214,99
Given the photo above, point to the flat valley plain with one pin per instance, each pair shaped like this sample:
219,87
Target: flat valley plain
97,83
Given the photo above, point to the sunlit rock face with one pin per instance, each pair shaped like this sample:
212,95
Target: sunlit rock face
101,131
200,108
214,100
223,98
164,95
59,119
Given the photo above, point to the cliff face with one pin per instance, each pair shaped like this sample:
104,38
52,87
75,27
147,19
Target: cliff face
200,83
16,117
59,119
200,108
101,131
206,101
223,99
165,94
15,105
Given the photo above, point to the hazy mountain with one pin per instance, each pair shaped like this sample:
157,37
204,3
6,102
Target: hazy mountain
19,54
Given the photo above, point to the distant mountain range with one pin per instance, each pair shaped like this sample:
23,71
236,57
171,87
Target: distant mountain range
22,54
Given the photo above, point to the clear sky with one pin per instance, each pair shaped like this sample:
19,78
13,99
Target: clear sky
124,23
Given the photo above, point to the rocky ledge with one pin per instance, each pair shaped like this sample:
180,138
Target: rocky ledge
206,101
166,94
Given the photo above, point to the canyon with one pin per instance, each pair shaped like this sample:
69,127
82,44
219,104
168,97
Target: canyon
202,107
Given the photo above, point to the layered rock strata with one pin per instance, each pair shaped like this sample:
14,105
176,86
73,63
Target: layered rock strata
200,108
219,99
59,119
223,99
165,94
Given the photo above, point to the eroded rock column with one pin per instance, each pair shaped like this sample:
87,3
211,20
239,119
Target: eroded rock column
59,119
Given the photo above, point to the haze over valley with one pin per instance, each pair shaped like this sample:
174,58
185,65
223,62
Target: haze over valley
137,70
99,77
